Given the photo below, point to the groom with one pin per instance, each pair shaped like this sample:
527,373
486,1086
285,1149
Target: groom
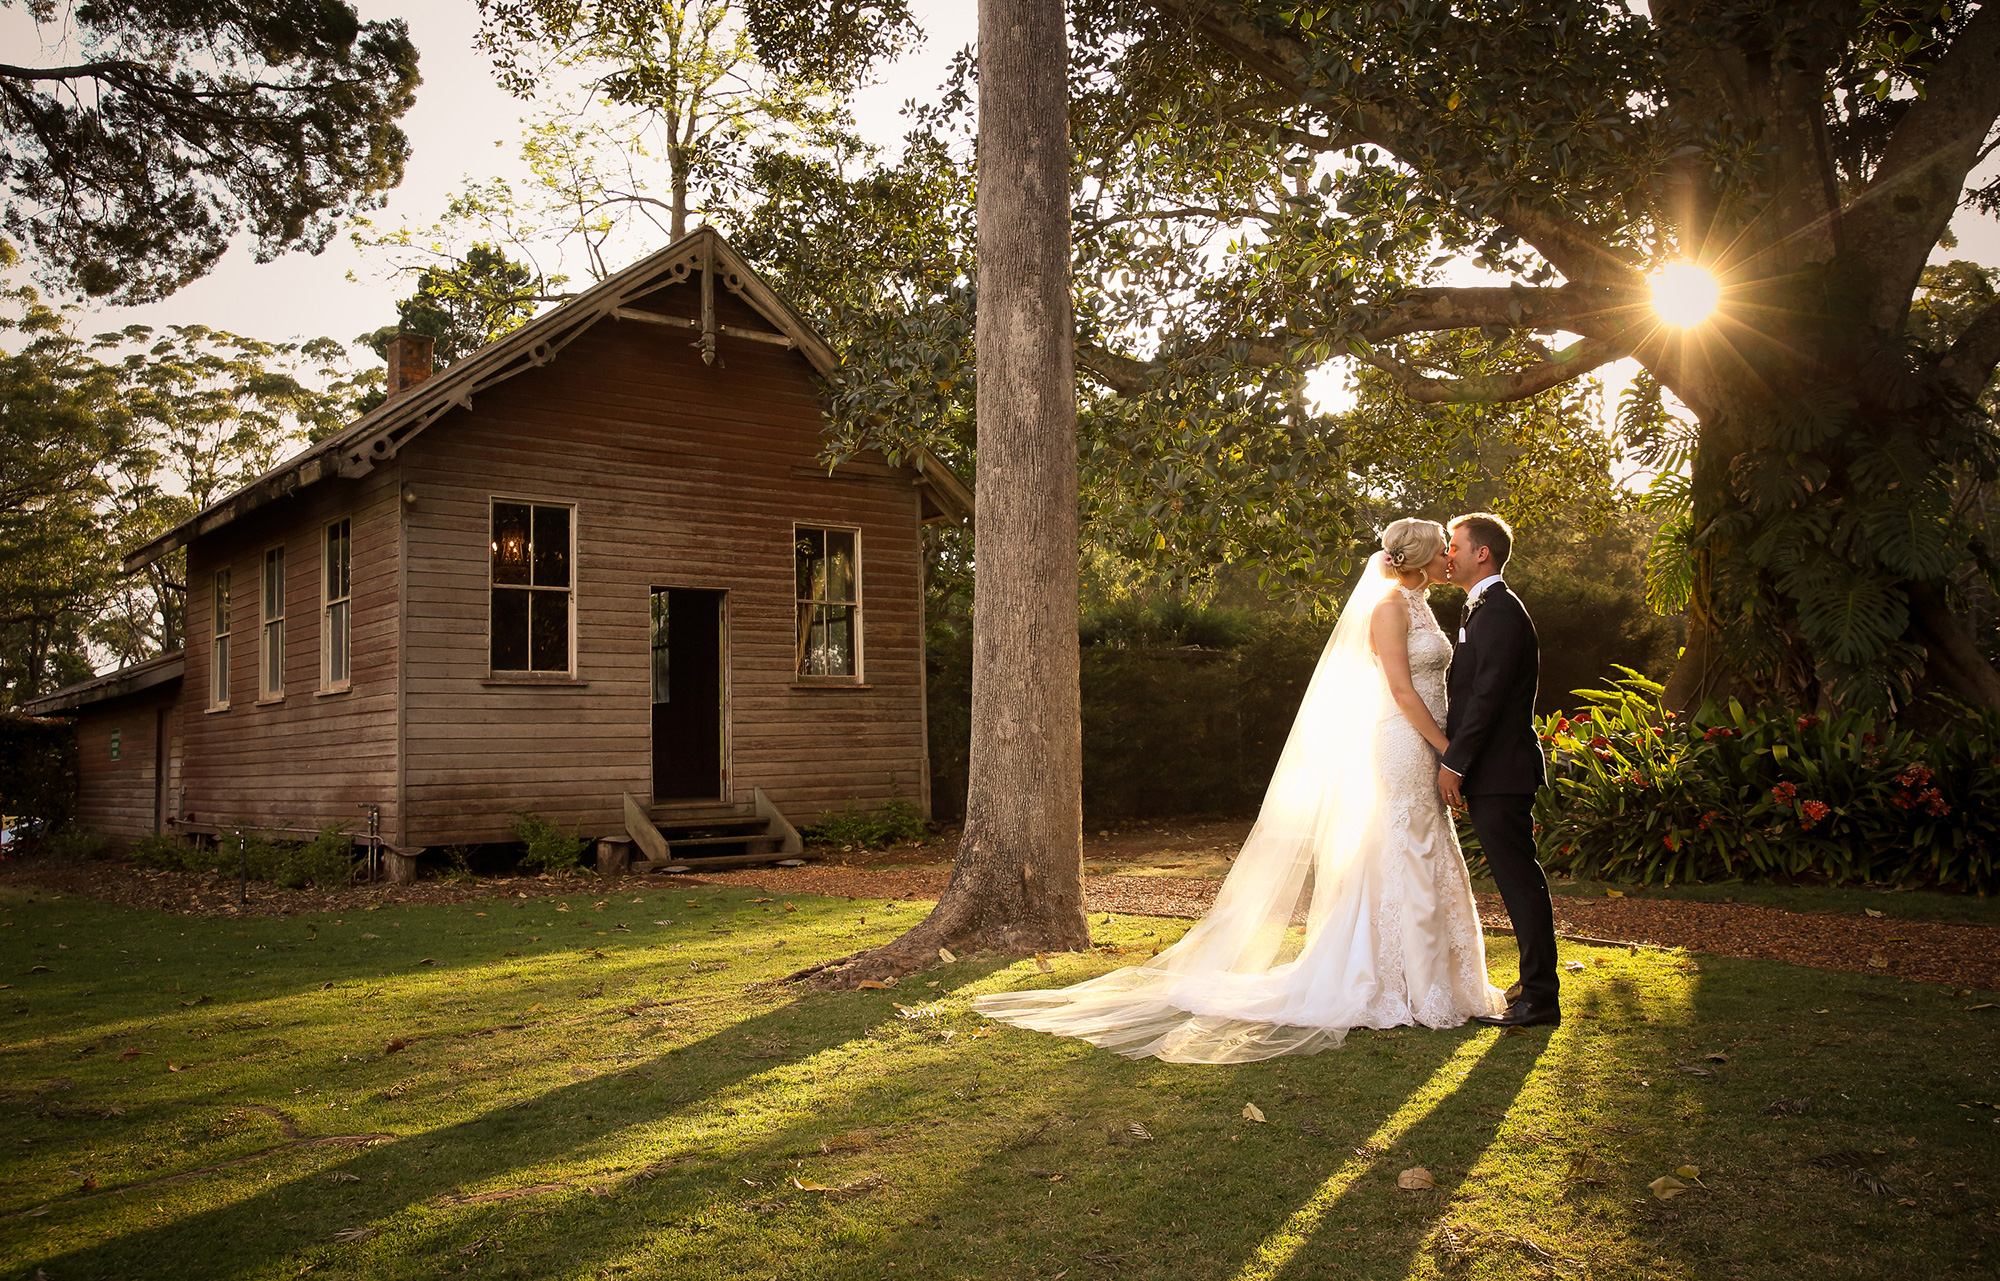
1493,765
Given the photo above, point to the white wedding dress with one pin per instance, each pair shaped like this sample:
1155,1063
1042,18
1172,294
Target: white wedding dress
1348,906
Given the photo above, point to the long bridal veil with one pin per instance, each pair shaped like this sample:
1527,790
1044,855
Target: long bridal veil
1234,988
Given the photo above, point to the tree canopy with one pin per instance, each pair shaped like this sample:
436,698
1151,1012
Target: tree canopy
175,125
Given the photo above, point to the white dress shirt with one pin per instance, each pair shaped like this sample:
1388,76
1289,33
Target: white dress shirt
1472,594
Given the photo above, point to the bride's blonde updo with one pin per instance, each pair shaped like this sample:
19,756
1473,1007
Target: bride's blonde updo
1410,544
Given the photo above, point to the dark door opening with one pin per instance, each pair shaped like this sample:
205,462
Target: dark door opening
687,695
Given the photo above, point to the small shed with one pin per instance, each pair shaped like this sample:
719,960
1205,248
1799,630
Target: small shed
594,571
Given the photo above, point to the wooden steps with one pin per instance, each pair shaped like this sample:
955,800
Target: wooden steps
696,838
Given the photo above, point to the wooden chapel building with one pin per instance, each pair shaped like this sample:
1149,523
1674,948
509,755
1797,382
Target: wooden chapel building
594,571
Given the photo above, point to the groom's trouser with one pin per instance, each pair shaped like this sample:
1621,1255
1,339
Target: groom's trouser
1506,827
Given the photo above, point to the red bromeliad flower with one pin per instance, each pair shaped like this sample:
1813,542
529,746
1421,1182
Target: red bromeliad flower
1816,810
1600,741
1719,731
1582,716
1708,818
1807,722
1783,793
1934,801
1671,841
1562,725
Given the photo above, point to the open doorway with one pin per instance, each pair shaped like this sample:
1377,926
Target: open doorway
688,761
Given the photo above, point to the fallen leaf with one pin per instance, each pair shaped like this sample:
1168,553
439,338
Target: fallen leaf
763,900
1416,1179
1878,962
129,1055
1138,1131
199,1000
1871,911
791,907
340,1176
1251,1112
1516,1030
982,1031
1666,1187
1715,1058
179,1067
1042,964
872,984
1614,893
371,936
1696,1071
1691,1173
396,1045
944,954
1572,965
347,1236
1789,1107
1987,1006
807,1185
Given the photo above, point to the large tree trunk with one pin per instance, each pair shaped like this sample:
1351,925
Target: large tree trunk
1017,885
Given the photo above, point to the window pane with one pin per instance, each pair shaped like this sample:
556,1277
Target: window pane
336,643
218,673
660,655
551,632
840,565
810,557
510,630
828,635
274,658
336,560
274,583
510,543
552,547
221,624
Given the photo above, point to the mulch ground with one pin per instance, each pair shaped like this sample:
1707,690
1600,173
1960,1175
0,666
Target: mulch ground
1929,952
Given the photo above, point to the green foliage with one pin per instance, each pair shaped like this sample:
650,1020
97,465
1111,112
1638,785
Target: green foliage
171,853
325,862
1639,795
37,768
158,132
891,823
463,305
71,843
549,847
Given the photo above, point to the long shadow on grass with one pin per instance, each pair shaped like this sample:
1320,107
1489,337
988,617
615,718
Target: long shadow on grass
538,1134
1212,1194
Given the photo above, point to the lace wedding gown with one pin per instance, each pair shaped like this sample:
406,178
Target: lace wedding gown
1348,906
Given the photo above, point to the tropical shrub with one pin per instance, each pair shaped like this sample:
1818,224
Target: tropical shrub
894,823
1637,794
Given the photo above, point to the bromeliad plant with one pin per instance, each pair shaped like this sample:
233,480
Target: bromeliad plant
1639,794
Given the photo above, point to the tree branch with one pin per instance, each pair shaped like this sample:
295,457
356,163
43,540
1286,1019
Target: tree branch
1596,313
1572,362
1281,60
1896,221
1182,211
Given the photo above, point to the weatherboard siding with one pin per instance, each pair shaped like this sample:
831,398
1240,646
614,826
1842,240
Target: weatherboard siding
314,758
681,475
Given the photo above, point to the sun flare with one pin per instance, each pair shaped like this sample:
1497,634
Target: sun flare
1683,294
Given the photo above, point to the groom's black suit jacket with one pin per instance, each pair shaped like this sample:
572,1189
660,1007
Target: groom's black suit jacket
1491,686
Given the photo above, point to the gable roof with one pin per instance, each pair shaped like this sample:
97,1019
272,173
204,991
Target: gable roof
378,435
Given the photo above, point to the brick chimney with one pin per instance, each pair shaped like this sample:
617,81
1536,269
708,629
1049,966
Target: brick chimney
409,362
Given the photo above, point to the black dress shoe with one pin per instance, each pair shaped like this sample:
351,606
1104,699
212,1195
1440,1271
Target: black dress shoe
1524,1014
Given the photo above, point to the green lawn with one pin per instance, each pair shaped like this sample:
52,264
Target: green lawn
618,1093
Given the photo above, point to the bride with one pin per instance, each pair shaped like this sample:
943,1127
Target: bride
1349,905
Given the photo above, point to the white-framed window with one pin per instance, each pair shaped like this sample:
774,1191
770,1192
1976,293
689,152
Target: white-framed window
531,622
827,570
336,606
218,646
271,647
